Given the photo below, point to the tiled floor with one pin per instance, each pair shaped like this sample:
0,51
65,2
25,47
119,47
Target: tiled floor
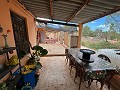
55,74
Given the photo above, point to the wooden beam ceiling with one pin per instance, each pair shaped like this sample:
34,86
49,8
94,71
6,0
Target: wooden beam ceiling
79,10
102,15
54,22
51,9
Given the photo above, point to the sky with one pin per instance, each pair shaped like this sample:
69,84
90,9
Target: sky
100,23
97,24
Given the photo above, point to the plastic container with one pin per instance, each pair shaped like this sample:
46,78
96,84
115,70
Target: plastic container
26,88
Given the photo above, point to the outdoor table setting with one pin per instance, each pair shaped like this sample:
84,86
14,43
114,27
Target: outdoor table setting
93,67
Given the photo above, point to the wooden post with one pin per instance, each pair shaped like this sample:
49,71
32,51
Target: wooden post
79,34
66,38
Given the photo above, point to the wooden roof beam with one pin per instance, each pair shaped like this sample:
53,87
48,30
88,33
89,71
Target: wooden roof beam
54,22
102,15
79,10
51,9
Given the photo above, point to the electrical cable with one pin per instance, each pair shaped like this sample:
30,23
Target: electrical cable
115,21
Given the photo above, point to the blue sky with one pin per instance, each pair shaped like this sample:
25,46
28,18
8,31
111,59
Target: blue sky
99,23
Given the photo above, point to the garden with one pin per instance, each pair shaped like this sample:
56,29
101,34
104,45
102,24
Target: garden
103,37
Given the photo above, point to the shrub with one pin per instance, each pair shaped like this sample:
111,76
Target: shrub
101,45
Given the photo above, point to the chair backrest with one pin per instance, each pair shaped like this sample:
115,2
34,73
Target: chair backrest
104,57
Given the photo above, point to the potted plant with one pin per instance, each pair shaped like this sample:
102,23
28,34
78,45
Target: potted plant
33,65
35,56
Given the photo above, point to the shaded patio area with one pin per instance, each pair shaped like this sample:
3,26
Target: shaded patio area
55,74
20,29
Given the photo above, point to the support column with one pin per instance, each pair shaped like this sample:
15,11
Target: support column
79,34
66,38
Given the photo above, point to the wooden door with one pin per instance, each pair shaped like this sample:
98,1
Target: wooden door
20,33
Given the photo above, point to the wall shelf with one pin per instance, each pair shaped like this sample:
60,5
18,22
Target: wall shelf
12,79
11,83
7,50
6,70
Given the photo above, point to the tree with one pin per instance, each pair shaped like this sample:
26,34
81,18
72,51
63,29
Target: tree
105,35
112,22
86,31
101,34
98,32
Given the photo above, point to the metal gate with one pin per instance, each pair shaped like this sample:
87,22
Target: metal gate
20,33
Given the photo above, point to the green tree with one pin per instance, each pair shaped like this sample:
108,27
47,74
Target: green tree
105,36
98,32
102,34
86,31
113,24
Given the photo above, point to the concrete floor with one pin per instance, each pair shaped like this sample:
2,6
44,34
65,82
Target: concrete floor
55,74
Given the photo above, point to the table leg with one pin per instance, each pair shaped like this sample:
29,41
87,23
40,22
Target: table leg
75,77
80,83
102,84
81,76
89,83
76,71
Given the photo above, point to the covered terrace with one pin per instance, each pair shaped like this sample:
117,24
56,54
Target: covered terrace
18,32
72,12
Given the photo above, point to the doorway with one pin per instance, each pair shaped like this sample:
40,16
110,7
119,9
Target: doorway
20,33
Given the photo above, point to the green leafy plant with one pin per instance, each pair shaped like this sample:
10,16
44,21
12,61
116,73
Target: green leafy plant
3,86
35,56
39,51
